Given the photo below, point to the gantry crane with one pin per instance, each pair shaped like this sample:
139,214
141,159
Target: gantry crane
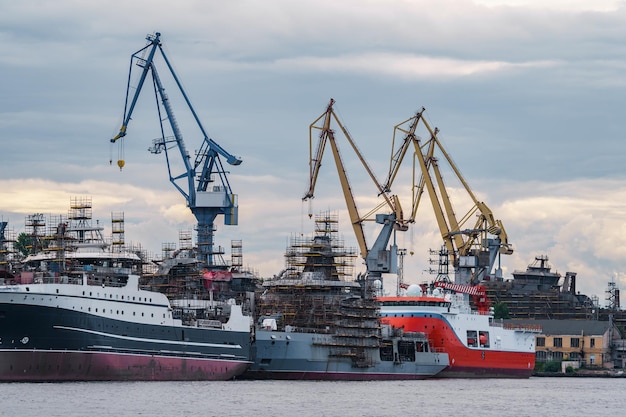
197,181
473,250
378,259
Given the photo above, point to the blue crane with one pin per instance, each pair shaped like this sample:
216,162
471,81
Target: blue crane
197,182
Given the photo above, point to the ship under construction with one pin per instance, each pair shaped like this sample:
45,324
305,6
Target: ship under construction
313,322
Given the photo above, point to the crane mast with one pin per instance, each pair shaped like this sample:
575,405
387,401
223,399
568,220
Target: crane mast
378,258
203,183
474,250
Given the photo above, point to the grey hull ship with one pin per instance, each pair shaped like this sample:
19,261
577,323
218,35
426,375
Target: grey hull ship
314,325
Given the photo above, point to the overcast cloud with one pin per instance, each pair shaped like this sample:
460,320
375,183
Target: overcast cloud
528,96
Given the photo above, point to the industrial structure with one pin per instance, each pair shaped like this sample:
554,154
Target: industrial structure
379,258
316,280
314,323
202,181
473,250
7,239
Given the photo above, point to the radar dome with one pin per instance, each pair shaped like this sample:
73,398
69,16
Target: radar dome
377,284
414,290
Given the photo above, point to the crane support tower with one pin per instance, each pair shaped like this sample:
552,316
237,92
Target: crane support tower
202,181
473,250
380,258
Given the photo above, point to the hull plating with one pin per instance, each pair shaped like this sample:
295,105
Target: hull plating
515,361
56,338
37,365
306,356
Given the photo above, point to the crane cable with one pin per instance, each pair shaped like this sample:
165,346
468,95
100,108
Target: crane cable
120,153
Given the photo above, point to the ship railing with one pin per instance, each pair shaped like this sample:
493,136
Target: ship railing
112,270
532,328
46,279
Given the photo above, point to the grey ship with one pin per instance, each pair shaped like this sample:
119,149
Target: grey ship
313,324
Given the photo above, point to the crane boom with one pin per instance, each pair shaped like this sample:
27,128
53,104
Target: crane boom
378,258
327,135
195,178
465,246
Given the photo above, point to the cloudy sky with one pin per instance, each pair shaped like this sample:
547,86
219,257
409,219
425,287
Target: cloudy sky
528,96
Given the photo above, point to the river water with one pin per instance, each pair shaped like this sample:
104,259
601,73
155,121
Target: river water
453,397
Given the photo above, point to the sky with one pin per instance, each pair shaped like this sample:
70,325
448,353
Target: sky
528,96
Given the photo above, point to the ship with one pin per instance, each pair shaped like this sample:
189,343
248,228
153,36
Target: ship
313,323
478,345
75,310
539,292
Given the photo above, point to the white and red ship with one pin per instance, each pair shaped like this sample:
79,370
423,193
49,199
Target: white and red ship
478,345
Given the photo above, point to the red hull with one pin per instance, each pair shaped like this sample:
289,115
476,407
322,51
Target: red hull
466,362
39,365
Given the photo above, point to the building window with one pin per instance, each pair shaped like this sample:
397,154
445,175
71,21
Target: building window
574,342
541,356
557,342
574,356
592,342
557,356
541,341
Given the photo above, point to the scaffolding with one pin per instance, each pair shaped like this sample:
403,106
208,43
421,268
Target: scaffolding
7,252
117,231
311,295
185,241
35,231
325,252
236,255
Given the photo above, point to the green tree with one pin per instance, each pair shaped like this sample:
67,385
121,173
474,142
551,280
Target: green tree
501,311
23,244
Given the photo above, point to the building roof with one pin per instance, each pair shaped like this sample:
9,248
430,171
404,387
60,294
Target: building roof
568,327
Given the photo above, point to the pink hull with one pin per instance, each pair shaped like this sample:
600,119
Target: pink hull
39,365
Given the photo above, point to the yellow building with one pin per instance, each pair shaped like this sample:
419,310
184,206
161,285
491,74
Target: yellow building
589,342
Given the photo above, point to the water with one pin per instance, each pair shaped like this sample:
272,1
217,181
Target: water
455,397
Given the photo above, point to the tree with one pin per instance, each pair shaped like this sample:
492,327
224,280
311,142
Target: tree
23,244
501,311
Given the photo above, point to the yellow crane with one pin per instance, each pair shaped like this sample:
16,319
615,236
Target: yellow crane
473,250
378,258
